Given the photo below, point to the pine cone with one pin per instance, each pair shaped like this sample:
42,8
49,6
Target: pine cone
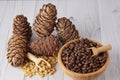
45,20
16,50
46,46
22,27
66,30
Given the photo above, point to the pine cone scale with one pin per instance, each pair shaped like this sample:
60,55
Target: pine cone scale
45,20
16,50
66,30
22,27
45,46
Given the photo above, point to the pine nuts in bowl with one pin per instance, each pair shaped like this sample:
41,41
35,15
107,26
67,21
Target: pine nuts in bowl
76,60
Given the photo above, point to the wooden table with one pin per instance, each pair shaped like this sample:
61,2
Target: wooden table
95,19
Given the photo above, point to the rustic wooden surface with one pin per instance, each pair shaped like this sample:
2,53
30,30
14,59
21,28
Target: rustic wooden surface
95,19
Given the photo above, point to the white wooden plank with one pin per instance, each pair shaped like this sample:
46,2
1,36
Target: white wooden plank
86,16
28,9
18,8
110,26
62,8
8,72
2,11
4,37
36,77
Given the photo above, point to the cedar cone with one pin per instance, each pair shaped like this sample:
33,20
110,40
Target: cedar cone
45,20
66,30
16,50
46,46
22,27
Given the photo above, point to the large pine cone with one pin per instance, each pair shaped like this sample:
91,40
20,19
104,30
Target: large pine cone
45,20
66,30
16,50
22,27
46,46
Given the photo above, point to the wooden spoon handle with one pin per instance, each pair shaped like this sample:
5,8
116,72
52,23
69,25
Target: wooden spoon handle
104,48
32,57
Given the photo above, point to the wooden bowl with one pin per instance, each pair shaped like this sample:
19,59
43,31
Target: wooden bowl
80,76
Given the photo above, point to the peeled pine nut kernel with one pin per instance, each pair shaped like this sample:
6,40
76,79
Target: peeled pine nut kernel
30,69
46,70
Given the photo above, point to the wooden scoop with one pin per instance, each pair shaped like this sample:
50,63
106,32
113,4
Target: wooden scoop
104,48
37,60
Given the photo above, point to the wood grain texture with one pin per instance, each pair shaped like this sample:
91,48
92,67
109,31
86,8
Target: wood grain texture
110,26
95,19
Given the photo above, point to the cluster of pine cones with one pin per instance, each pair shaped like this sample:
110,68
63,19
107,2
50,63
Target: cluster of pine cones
46,44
